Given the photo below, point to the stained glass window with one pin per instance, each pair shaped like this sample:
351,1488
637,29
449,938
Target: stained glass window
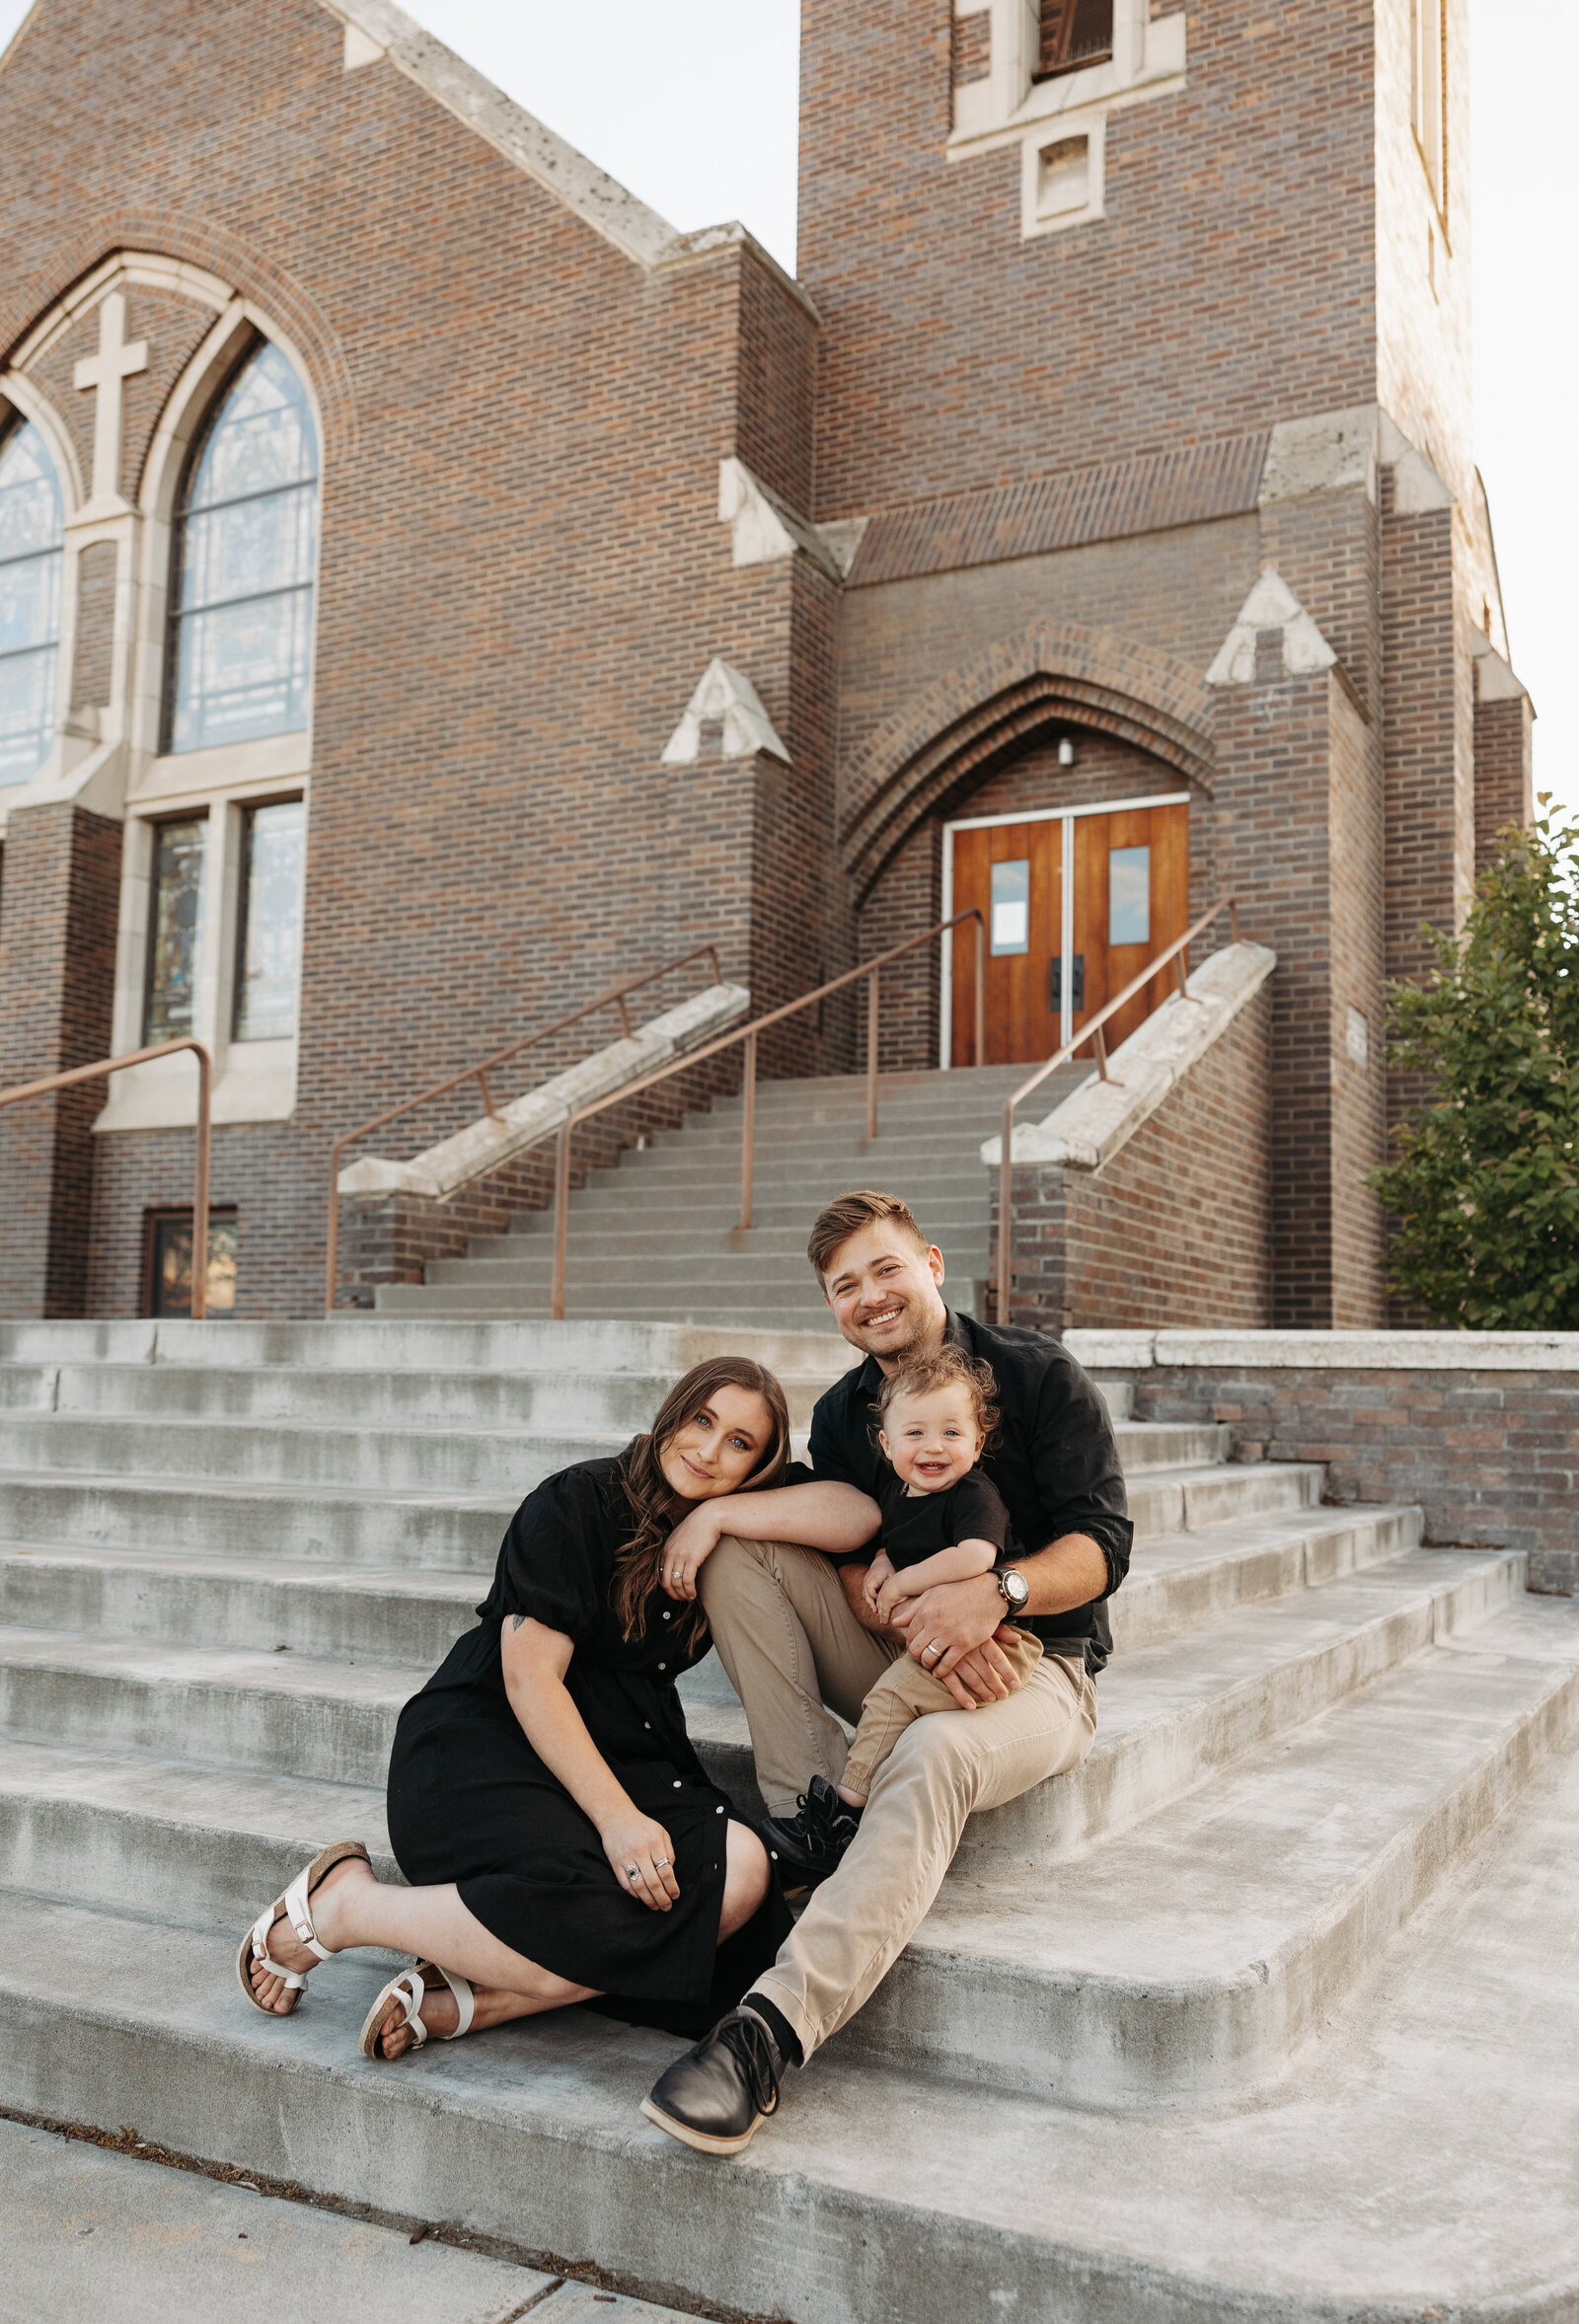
268,952
245,552
31,537
175,930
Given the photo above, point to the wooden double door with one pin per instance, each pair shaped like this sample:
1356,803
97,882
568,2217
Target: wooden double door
1075,904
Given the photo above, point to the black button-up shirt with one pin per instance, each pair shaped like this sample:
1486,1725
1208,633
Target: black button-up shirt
1055,1462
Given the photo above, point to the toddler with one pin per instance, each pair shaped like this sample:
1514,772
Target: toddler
943,1521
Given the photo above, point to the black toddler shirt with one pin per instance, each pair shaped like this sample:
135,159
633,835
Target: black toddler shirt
916,1526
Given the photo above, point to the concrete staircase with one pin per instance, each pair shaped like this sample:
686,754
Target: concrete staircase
1266,2012
656,1236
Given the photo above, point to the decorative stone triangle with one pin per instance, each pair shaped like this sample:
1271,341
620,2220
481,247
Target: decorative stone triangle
725,697
1271,606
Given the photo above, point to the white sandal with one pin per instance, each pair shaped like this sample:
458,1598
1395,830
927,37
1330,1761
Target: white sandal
407,1993
293,1907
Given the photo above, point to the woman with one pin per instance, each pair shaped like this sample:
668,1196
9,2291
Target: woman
563,1841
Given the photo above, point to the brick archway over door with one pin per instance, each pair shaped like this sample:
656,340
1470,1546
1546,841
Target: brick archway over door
953,733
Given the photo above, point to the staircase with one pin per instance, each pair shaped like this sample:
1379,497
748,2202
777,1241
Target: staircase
655,1237
1268,2011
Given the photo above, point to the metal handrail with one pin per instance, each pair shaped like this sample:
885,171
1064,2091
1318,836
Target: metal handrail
616,997
1177,953
199,1190
871,970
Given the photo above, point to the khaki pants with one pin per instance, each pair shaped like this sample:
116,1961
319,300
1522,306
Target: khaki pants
907,1691
790,1644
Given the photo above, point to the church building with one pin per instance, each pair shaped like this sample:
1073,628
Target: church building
434,591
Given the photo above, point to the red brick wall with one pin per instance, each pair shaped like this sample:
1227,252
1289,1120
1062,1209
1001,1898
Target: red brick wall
522,572
1175,1224
58,907
1492,1456
1504,788
955,354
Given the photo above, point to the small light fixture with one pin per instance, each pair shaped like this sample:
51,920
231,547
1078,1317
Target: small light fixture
1065,750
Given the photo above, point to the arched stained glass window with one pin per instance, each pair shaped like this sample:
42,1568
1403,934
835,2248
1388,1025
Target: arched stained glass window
245,552
31,548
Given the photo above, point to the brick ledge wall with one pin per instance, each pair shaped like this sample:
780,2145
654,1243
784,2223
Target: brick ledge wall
1481,1428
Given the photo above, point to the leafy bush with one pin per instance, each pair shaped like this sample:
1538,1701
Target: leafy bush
1486,1188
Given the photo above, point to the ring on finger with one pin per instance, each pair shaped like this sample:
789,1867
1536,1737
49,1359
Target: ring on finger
630,1872
661,1863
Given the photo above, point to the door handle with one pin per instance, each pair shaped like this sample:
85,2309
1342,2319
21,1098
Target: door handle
1076,982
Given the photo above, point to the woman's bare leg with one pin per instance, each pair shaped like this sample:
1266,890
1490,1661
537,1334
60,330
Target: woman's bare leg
745,1878
350,1907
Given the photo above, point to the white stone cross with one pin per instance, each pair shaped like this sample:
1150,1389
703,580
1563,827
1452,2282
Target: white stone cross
104,373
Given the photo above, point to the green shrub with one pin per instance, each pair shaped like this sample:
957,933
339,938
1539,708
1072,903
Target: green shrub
1484,1191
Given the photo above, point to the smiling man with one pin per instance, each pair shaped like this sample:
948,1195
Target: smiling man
803,1650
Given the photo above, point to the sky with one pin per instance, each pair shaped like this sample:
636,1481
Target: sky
693,106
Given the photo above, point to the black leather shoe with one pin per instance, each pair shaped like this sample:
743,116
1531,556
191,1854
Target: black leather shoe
715,2096
810,1844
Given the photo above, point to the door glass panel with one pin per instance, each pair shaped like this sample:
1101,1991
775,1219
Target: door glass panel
1128,896
1011,916
175,930
269,951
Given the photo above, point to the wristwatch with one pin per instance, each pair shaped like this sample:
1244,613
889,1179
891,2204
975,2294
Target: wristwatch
1013,1588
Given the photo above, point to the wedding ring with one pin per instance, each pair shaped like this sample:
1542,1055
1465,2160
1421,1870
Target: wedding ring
661,1863
935,1648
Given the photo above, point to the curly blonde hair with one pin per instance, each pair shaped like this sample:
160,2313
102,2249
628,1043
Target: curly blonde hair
948,1367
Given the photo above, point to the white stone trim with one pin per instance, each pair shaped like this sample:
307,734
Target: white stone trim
1009,108
601,201
1270,605
725,695
1327,1351
1495,679
485,1144
764,529
1099,1119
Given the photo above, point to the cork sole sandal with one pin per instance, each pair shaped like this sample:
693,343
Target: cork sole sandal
293,1907
405,1995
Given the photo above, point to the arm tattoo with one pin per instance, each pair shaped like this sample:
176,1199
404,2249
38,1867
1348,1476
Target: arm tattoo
516,1619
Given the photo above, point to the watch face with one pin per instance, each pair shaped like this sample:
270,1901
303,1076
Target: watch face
1016,1589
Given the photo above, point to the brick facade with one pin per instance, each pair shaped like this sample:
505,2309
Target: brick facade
1175,1229
1492,1455
1065,451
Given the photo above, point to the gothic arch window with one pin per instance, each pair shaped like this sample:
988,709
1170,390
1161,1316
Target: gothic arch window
32,552
245,559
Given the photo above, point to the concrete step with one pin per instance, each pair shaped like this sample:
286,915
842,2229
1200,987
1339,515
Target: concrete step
1178,1580
455,1533
1174,1487
719,1275
1396,2162
629,1228
201,1846
354,1341
816,1177
1187,1964
466,1460
406,1614
1173,1712
454,1303
620,1401
1188,1705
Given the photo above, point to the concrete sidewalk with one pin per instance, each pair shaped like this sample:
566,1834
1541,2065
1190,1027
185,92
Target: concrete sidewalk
89,2232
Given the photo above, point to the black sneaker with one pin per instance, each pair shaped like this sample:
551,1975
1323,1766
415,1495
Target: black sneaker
813,1843
715,2096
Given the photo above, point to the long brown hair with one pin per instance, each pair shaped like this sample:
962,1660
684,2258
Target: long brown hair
658,1508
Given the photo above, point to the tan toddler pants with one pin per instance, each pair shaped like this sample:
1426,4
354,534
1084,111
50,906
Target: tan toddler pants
906,1691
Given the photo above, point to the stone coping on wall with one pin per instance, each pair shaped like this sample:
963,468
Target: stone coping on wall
1332,1351
1100,1118
496,1139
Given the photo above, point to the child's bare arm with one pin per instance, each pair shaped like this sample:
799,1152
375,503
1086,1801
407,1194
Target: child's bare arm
879,1572
960,1563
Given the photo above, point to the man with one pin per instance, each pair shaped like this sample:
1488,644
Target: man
799,1646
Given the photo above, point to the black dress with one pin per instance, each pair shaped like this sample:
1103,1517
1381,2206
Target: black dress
471,1802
